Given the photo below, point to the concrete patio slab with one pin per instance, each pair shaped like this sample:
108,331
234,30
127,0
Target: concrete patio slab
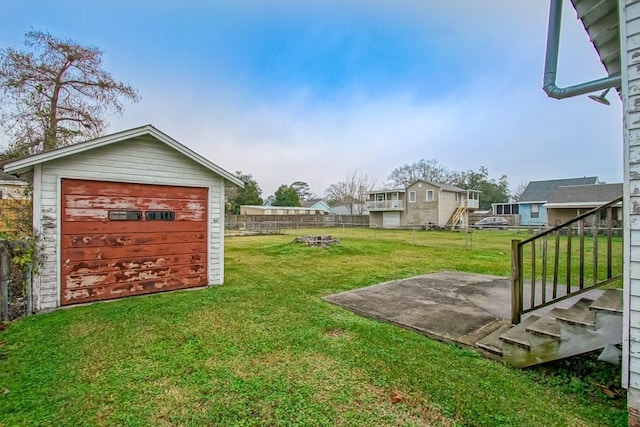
449,306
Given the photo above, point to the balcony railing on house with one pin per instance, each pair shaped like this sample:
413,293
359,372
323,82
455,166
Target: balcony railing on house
386,205
471,203
584,253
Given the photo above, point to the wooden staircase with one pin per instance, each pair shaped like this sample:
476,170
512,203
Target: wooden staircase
459,217
580,252
586,326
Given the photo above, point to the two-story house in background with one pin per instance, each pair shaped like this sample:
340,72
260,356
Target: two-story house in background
422,203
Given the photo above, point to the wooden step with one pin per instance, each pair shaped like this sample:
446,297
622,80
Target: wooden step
546,326
579,314
609,302
518,335
492,342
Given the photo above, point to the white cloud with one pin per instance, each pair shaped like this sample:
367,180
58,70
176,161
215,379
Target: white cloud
518,132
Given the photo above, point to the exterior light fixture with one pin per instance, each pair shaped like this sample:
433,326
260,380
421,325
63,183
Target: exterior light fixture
601,98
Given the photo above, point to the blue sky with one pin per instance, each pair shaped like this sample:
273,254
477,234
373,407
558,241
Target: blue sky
288,90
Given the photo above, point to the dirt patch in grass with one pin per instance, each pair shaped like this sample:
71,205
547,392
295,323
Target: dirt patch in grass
335,333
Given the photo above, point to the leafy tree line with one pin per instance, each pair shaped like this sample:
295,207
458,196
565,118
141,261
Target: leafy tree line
493,191
251,194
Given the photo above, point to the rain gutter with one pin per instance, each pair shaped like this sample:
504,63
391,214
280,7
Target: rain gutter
551,63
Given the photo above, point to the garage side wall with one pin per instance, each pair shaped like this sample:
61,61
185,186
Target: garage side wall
141,160
630,58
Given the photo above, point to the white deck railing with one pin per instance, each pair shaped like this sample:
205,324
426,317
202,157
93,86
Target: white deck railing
472,203
385,205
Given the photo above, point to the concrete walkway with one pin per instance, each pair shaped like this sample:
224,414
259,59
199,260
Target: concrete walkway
448,306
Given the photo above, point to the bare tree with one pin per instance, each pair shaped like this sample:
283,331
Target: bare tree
517,192
352,192
428,170
55,94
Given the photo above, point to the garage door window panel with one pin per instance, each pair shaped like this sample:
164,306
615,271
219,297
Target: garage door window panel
125,215
160,216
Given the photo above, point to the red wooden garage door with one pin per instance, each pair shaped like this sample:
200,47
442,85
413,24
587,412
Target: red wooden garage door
122,239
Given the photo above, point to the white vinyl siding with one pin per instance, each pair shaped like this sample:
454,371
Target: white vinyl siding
142,160
630,91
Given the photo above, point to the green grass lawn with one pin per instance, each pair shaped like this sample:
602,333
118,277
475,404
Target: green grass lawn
265,349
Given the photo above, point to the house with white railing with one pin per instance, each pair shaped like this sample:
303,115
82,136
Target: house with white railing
421,204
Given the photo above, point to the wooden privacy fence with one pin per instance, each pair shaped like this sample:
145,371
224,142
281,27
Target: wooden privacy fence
12,212
278,222
574,257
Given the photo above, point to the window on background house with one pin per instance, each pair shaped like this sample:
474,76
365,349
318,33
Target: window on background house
380,197
535,211
429,195
412,196
498,210
457,197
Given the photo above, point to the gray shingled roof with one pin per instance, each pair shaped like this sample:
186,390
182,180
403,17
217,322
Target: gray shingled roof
598,193
540,191
388,190
449,187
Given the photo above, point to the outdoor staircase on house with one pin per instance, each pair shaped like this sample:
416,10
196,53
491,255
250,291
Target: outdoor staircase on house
458,218
579,252
586,326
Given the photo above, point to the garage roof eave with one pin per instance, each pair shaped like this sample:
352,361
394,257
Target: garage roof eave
25,164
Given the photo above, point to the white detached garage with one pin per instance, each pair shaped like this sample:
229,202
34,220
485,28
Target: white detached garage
130,213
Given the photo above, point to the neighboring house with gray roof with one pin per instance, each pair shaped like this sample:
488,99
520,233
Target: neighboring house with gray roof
531,203
422,203
571,201
340,210
316,204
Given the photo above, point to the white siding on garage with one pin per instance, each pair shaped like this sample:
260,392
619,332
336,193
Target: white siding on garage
140,160
630,57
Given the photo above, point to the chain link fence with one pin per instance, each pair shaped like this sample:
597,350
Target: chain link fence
15,284
276,224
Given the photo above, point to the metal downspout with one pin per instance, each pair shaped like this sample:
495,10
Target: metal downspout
551,63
